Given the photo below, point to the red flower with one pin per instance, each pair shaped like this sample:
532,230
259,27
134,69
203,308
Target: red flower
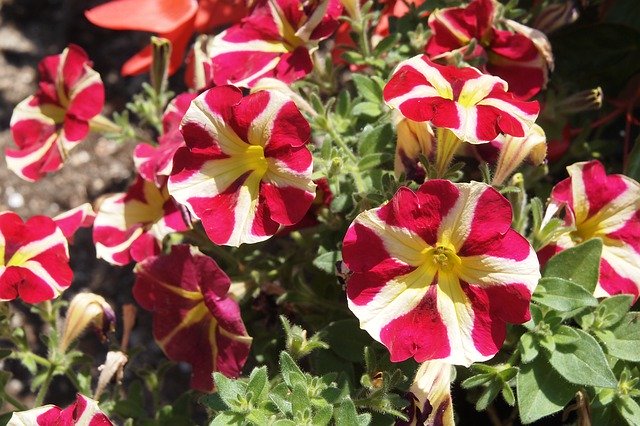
193,319
175,20
84,411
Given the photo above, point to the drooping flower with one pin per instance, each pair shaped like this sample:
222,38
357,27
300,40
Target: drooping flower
87,309
246,169
175,20
34,259
47,125
275,40
193,318
430,396
521,56
606,207
130,226
154,163
438,272
84,411
72,220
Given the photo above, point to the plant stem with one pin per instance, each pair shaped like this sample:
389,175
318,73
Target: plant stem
11,400
42,392
353,167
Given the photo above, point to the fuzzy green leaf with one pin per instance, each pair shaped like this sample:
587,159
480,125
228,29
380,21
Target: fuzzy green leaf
579,264
562,295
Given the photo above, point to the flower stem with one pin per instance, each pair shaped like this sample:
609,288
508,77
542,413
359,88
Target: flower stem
354,171
11,400
102,124
44,387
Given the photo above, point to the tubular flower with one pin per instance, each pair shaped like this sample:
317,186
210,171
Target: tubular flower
193,318
130,226
415,138
47,125
438,272
606,207
275,40
84,411
246,169
521,56
154,163
34,259
175,20
430,396
87,309
513,151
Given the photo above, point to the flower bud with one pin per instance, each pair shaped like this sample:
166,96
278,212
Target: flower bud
430,395
160,55
353,9
585,100
555,16
87,309
514,151
414,138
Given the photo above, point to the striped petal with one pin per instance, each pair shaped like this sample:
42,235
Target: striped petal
70,221
430,396
245,170
438,272
34,259
131,226
84,411
187,293
474,106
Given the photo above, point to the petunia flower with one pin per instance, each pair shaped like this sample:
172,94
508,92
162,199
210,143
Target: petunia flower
275,40
414,138
246,169
47,125
34,259
430,396
437,273
521,56
606,207
72,220
84,411
462,103
131,226
154,163
175,20
193,318
87,309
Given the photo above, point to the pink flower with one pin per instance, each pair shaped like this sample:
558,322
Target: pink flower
84,411
275,40
193,319
438,272
154,163
34,259
521,56
246,169
131,226
606,207
47,125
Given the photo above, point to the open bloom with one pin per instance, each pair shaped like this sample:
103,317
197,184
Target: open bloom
521,56
130,226
606,207
430,396
438,272
275,40
246,169
193,318
175,20
47,125
84,411
34,259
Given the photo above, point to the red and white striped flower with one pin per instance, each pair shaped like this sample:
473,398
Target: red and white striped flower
193,318
606,207
79,217
47,125
130,226
246,169
275,40
430,396
154,162
476,107
438,272
34,259
83,412
521,56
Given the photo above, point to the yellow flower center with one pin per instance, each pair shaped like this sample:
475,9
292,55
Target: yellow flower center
443,257
254,159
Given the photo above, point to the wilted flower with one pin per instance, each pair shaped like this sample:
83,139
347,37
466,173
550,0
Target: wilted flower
513,151
246,169
113,367
131,225
414,138
47,125
83,412
606,207
175,20
84,310
430,396
34,259
275,40
194,320
522,57
438,272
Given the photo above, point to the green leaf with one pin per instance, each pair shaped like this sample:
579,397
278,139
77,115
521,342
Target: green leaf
622,348
258,385
376,139
562,295
633,166
279,395
477,380
347,339
229,389
541,391
290,371
386,44
227,418
579,264
628,409
371,161
344,103
488,394
367,88
581,361
346,414
613,309
528,347
370,109
327,261
299,399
